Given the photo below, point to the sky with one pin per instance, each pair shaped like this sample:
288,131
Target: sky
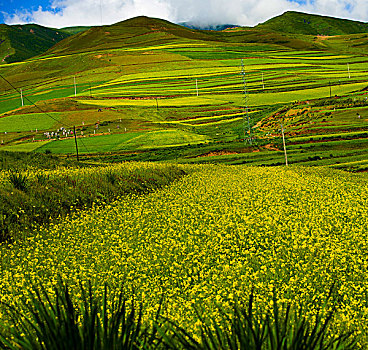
65,13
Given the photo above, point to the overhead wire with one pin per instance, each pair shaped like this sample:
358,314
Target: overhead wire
40,109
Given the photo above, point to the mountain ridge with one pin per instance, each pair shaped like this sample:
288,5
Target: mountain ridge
134,31
294,22
20,42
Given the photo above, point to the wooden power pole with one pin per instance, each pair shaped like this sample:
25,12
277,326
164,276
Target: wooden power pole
76,143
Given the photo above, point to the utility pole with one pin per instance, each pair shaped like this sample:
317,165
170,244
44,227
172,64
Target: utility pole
21,97
283,141
262,82
75,88
246,110
197,87
349,70
76,143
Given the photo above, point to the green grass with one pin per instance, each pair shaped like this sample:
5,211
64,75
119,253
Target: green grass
125,71
172,102
164,138
92,144
28,201
24,41
28,122
10,160
346,135
309,24
121,142
24,147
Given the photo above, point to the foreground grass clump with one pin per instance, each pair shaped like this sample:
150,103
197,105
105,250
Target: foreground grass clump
208,239
56,321
34,197
44,320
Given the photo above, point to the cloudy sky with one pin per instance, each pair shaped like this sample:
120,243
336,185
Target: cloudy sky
63,13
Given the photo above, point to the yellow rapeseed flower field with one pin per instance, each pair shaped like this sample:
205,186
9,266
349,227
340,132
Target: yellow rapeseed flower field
211,237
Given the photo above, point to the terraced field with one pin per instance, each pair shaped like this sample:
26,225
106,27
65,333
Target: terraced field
189,86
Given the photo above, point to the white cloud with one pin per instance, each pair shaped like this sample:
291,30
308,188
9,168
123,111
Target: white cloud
63,13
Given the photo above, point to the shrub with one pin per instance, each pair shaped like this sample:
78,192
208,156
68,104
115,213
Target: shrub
18,180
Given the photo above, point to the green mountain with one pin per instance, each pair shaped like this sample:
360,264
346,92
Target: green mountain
74,30
144,31
20,42
304,23
138,31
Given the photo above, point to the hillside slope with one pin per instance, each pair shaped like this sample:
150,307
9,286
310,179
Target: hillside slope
74,30
308,24
144,32
20,42
138,31
291,30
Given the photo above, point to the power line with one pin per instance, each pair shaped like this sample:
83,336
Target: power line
40,109
26,98
24,120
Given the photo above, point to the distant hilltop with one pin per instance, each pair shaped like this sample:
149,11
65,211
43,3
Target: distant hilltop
308,24
21,42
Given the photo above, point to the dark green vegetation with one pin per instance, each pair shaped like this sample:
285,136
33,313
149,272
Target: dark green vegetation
74,30
20,42
25,160
308,24
136,94
54,320
34,197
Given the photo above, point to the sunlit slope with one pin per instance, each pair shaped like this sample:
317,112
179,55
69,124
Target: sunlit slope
137,31
357,43
140,32
134,90
150,90
74,30
308,24
20,42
